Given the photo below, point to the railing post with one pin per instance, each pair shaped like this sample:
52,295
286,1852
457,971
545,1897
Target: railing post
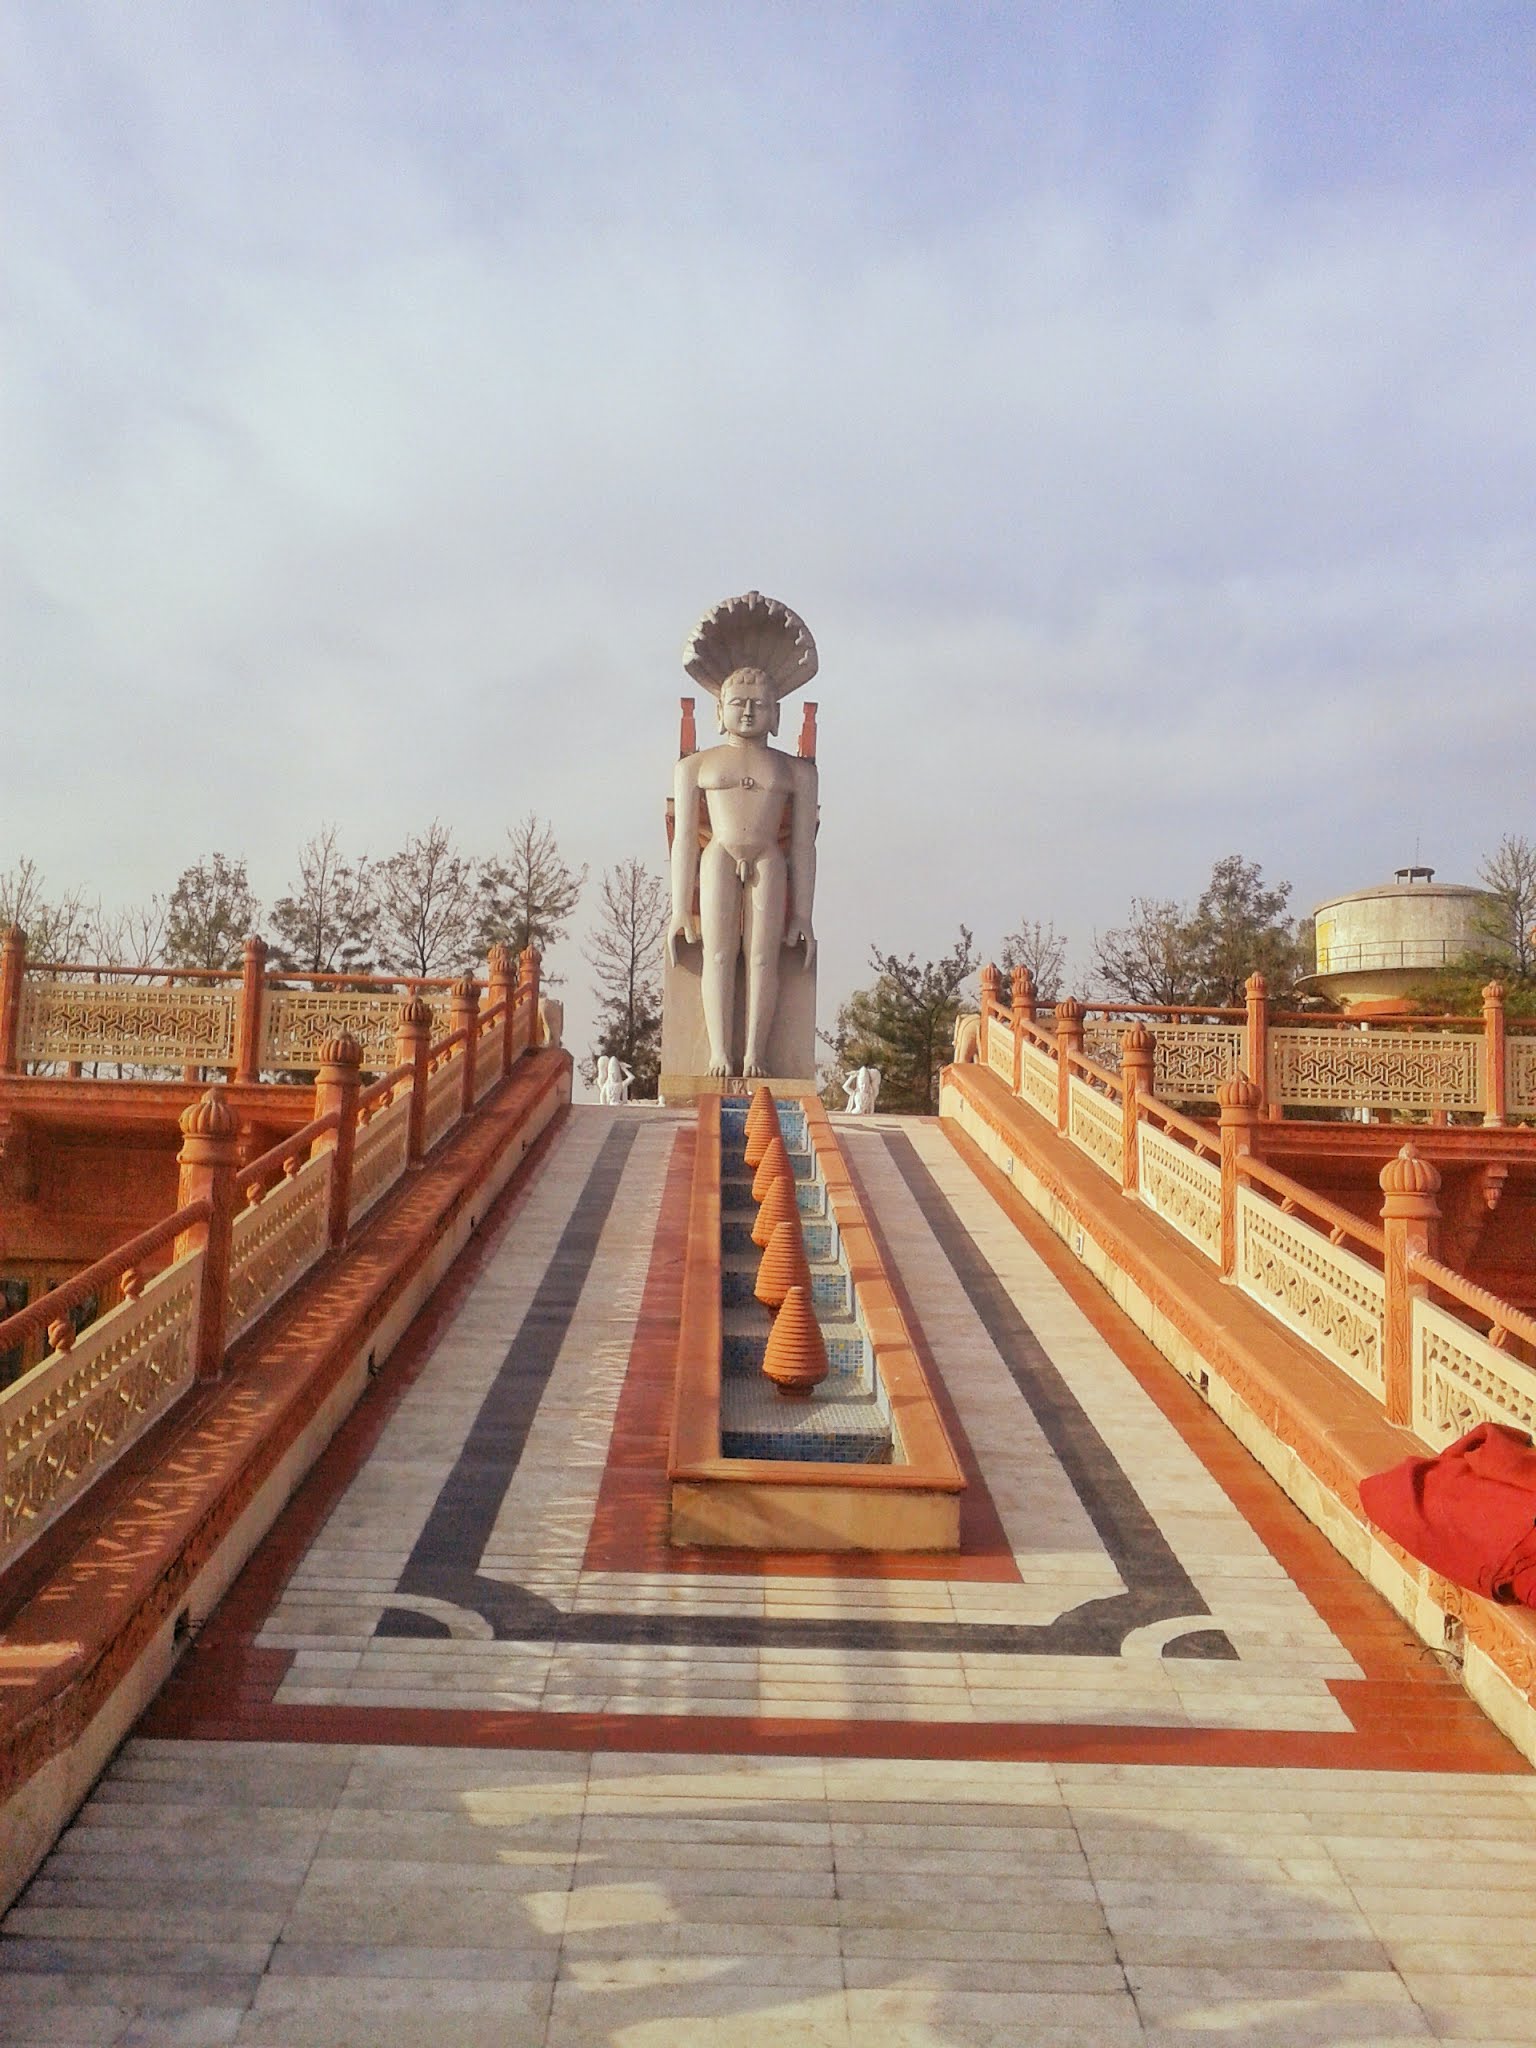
1021,1012
1069,1039
1410,1221
253,999
207,1166
1493,1053
1237,1101
13,969
529,967
337,1082
1138,1052
502,988
991,992
413,1044
1256,1045
464,1015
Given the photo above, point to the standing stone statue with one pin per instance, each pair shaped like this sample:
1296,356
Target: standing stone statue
743,862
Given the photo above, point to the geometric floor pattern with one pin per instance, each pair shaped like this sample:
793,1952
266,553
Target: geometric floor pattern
469,1756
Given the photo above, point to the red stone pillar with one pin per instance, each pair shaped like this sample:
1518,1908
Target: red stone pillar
1021,992
1238,1101
337,1083
1493,1053
1256,1048
688,736
1069,1039
253,998
13,970
413,1044
501,987
465,1016
991,992
529,968
207,1166
1410,1220
806,747
1138,1053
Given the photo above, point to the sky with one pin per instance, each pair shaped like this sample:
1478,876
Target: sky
1136,401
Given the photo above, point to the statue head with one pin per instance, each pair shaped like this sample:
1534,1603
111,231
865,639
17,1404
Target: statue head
748,704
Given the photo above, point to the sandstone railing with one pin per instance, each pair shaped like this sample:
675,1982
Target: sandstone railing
242,1236
1373,1298
59,1016
1441,1068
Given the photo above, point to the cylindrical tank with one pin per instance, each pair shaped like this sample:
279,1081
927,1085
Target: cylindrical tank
1374,946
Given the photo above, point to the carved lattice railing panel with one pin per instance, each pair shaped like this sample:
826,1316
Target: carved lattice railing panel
1460,1379
1325,1293
1094,1125
277,1241
1000,1049
1380,1068
1181,1186
1520,1076
172,1026
381,1154
1037,1080
1192,1060
488,1058
444,1092
63,1423
1101,1041
299,1021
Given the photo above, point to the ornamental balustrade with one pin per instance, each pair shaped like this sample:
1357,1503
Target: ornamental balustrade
1439,1353
297,1022
1312,1067
240,1240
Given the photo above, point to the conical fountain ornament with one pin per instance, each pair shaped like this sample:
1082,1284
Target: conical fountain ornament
774,1165
762,1124
784,1265
796,1355
779,1206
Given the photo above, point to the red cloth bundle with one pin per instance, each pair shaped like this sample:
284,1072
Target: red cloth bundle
1469,1514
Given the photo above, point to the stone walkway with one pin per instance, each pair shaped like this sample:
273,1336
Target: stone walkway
469,1755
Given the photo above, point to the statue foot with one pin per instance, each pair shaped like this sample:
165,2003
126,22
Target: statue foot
719,1068
752,1070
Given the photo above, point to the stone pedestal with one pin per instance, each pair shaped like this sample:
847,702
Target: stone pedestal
685,1074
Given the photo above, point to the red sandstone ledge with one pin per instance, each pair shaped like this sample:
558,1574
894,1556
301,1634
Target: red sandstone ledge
1333,1427
83,1605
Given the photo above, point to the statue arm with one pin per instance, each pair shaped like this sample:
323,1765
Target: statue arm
683,925
802,859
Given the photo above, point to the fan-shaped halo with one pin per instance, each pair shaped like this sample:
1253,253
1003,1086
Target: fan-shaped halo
751,631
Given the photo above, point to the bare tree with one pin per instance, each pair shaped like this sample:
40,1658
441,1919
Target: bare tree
1509,876
527,899
625,951
59,929
1148,959
426,899
329,923
210,914
1043,950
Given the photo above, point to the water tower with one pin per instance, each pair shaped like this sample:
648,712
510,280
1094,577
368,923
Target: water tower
1375,946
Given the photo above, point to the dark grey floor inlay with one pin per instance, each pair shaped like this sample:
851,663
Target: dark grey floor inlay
444,1564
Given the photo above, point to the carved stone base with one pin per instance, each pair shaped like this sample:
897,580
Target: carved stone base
681,1089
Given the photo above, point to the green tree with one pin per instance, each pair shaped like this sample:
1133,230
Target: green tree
527,899
904,1024
1240,927
210,914
625,953
328,924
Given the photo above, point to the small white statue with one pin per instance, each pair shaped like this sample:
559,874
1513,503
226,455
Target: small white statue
613,1079
862,1088
756,875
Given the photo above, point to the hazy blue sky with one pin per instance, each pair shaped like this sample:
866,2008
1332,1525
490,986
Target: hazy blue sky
1137,401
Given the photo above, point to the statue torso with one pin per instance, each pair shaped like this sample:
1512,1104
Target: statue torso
744,791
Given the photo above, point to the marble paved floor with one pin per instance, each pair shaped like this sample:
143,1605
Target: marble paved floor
741,1805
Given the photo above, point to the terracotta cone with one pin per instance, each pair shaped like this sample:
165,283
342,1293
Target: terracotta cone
779,1206
796,1357
774,1165
762,1124
784,1265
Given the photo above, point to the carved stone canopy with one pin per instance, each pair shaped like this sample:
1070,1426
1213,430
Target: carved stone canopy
751,631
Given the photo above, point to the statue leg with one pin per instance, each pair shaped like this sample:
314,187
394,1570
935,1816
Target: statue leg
764,943
720,894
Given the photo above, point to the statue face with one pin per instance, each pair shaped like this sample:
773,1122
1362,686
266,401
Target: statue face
748,706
